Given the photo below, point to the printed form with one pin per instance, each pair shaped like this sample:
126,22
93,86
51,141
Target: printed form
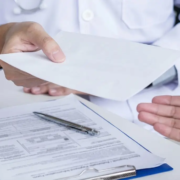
33,148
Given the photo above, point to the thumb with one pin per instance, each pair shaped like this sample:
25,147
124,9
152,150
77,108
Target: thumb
48,45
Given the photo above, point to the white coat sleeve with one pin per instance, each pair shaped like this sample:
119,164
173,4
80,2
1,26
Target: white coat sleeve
171,40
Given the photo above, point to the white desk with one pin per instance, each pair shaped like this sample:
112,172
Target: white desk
11,95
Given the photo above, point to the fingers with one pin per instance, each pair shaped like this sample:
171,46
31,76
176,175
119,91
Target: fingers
61,91
27,90
51,89
167,131
153,119
37,90
167,100
48,88
40,38
161,110
164,114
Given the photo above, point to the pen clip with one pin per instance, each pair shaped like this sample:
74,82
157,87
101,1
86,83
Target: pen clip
130,172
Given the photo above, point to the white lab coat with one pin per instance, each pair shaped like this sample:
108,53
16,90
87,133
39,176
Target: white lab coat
145,21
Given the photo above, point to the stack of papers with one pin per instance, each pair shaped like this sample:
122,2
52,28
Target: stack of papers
109,68
33,148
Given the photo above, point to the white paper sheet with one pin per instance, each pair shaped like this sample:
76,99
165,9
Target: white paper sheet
32,148
109,68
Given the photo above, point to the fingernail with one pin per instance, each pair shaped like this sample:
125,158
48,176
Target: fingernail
26,89
35,89
53,91
58,56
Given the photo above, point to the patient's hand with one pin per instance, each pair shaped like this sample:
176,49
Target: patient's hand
163,114
51,89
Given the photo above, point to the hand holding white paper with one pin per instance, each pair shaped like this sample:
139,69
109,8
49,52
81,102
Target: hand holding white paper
105,67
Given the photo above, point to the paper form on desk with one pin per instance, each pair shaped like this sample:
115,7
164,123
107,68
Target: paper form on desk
32,148
105,67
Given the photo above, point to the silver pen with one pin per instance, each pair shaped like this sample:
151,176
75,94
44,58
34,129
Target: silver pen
68,124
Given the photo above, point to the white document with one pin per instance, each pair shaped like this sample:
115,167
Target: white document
105,67
33,148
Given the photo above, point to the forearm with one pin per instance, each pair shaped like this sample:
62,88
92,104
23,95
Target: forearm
3,30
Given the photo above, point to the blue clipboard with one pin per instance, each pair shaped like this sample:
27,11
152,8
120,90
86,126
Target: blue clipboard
144,172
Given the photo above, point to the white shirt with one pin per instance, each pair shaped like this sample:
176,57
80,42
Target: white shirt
145,21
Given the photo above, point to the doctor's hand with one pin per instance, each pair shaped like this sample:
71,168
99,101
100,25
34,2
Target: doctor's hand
51,89
163,114
26,37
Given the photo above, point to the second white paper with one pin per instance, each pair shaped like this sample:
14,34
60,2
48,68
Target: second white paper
109,68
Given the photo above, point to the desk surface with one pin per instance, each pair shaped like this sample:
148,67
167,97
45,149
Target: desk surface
10,95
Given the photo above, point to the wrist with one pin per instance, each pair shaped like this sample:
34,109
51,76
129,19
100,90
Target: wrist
3,31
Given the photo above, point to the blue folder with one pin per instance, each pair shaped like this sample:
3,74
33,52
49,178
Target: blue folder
144,172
